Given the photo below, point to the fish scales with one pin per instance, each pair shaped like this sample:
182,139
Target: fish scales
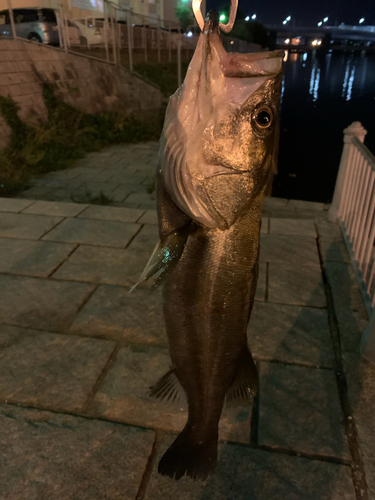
215,159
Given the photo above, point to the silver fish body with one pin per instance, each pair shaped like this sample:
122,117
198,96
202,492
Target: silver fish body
215,158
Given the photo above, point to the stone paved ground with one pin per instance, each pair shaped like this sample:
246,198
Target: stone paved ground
78,353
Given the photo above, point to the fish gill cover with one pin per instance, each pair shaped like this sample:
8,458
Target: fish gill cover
209,104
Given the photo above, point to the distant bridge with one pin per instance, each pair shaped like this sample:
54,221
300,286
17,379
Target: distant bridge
338,35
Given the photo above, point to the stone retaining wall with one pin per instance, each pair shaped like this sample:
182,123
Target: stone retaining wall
88,84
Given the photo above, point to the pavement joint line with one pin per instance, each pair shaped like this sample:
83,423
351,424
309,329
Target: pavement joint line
358,472
28,206
140,217
296,305
111,359
84,302
296,363
49,230
134,236
162,432
254,423
64,260
159,435
267,281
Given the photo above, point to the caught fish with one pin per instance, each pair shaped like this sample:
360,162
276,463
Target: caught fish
215,160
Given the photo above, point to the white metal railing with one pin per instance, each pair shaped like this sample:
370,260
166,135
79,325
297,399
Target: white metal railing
353,206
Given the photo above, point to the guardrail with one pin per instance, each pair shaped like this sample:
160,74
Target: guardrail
353,206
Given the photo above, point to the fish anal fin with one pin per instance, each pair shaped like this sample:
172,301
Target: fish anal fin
168,388
245,384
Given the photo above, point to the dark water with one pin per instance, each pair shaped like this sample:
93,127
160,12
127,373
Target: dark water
322,94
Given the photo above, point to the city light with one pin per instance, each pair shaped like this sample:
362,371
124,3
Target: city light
254,16
325,19
222,17
247,18
287,41
316,42
361,20
190,34
288,18
284,22
320,23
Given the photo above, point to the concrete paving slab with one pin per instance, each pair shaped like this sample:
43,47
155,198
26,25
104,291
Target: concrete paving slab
94,232
291,334
49,370
244,473
334,251
124,396
55,208
120,195
348,302
328,230
13,205
112,213
298,227
37,303
146,239
361,389
302,205
296,285
273,202
289,249
60,456
114,313
149,217
142,199
265,225
31,258
109,266
300,410
25,226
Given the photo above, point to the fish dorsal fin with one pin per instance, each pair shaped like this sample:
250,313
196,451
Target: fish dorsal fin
246,382
165,256
169,388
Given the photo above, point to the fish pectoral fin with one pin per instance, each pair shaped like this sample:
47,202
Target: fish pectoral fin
246,382
169,388
165,256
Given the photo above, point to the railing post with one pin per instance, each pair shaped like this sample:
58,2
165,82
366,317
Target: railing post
12,19
354,130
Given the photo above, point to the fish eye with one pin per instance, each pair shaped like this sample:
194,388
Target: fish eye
263,117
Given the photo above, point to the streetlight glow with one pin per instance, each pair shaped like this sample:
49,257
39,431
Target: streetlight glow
222,17
284,22
320,23
247,18
254,16
361,20
288,18
325,19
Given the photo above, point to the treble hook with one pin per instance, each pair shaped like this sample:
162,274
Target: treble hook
196,4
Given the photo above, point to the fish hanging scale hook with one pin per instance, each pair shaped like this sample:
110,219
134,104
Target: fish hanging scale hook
196,4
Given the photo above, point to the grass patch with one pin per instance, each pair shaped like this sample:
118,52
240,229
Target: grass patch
163,74
66,136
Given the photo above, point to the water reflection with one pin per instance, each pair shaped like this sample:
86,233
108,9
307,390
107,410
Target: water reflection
322,93
314,79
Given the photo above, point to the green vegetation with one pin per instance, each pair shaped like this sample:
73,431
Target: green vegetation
250,31
66,136
163,74
184,14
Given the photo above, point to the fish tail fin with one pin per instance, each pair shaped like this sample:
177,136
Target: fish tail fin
246,382
165,256
190,456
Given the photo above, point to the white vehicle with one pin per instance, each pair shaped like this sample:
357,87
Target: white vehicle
88,34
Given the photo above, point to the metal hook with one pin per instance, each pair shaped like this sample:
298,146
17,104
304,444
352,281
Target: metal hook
232,17
196,4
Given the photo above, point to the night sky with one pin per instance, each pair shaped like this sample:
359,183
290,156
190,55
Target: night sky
305,13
